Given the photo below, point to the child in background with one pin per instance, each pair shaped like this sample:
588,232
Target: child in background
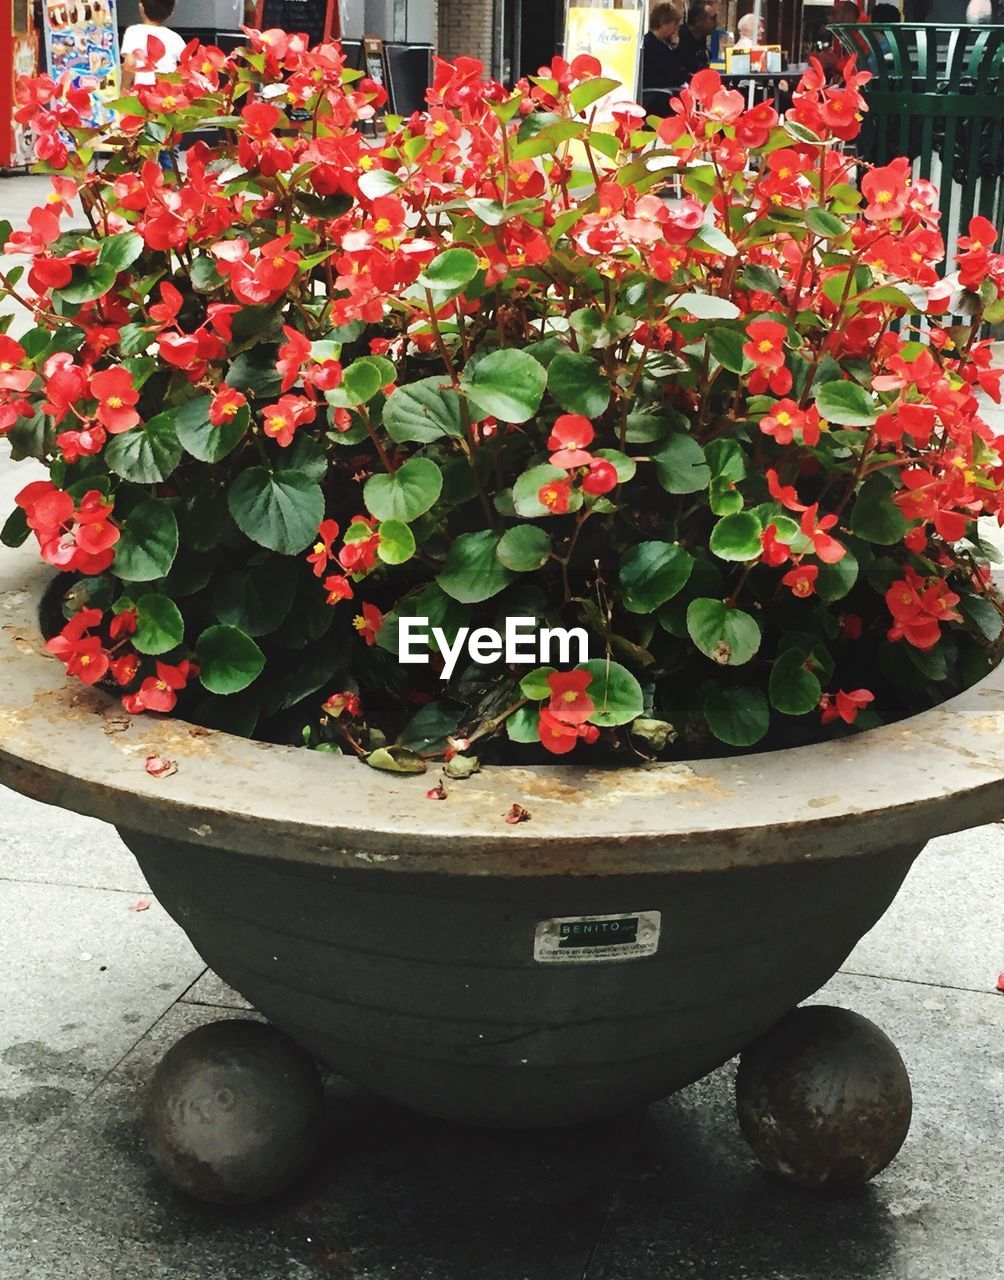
155,14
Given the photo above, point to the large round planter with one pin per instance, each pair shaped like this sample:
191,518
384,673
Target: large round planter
415,945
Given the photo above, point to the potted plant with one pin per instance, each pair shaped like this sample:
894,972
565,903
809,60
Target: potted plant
339,423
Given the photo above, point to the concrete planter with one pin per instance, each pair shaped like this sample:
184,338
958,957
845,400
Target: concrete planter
417,946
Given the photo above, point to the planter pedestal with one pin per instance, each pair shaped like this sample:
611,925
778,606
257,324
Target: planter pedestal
425,988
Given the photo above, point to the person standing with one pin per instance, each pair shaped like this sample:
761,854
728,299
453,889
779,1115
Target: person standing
155,14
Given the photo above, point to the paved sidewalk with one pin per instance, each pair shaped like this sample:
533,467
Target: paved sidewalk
93,991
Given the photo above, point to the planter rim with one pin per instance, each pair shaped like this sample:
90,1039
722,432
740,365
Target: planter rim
65,744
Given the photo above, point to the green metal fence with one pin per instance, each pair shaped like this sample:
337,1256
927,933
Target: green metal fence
937,96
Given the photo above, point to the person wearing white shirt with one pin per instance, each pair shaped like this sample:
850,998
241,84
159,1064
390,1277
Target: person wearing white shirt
155,14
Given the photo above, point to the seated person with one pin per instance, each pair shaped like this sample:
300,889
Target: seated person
661,67
751,32
692,46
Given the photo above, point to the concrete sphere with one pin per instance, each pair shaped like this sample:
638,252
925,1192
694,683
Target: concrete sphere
824,1098
234,1112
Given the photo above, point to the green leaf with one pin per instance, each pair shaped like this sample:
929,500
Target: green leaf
529,485
737,537
280,511
204,274
412,490
523,725
147,453
506,384
652,573
254,371
615,691
473,571
304,455
874,516
823,223
15,530
450,270
121,250
727,636
423,411
589,91
726,345
982,614
794,690
431,725
681,466
159,624
739,717
229,660
578,384
762,279
845,403
524,548
397,542
395,760
360,383
534,684
714,240
706,306
256,600
836,580
198,435
148,544
88,284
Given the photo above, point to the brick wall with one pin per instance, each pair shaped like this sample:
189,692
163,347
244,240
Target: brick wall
466,27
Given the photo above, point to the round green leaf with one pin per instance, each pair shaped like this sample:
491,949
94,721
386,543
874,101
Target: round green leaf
450,270
529,485
835,580
148,544
794,690
146,454
578,384
280,511
159,624
88,283
397,542
739,717
229,660
737,537
846,403
652,573
534,684
524,548
473,571
423,411
198,435
727,636
411,491
523,725
875,517
681,466
360,382
121,250
507,384
615,691
258,600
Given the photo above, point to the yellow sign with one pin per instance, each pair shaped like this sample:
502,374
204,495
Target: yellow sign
614,36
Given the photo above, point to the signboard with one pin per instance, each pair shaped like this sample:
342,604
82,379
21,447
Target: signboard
81,40
376,66
615,37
